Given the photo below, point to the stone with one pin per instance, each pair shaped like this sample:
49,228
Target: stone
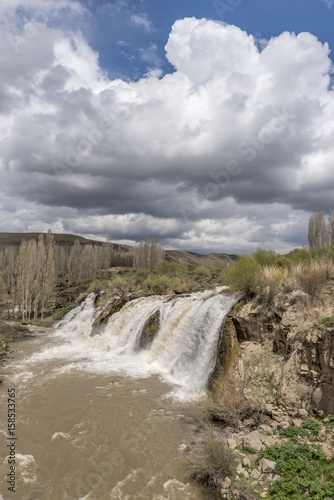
252,440
231,443
276,477
240,468
269,408
326,420
321,435
302,413
246,462
227,483
267,466
246,474
245,495
274,425
226,493
255,474
283,425
266,429
297,422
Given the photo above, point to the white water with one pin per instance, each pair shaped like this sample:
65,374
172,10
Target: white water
94,421
183,352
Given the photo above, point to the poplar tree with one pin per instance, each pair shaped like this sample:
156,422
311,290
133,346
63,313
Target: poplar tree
148,254
318,234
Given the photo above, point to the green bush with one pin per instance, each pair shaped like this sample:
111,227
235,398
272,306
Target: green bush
312,425
265,257
171,269
244,275
300,256
283,262
304,470
293,432
157,284
201,272
329,319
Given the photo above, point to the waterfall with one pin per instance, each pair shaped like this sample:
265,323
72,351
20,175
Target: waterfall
183,350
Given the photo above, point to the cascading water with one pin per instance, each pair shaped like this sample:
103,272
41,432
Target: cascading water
183,350
94,422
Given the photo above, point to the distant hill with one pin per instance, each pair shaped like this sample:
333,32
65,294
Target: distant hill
187,258
61,239
196,259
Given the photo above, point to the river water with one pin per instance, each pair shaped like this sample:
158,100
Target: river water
95,418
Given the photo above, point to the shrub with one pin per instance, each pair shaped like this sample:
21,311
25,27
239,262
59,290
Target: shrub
123,286
201,272
210,461
265,257
293,432
312,425
300,256
283,262
244,275
327,320
157,284
311,282
172,269
267,290
304,470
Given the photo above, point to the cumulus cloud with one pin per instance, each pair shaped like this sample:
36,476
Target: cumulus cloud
230,151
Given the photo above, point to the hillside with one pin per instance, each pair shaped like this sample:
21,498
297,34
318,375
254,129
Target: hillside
195,259
60,239
187,258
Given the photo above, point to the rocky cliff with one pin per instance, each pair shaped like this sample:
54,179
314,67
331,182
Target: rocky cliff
300,341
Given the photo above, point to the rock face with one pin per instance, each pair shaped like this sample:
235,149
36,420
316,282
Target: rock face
317,365
149,331
227,349
114,306
305,347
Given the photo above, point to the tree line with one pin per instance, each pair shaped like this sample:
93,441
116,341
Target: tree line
31,271
320,232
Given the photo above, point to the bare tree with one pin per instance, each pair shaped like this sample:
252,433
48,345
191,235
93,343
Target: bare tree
318,234
331,225
148,254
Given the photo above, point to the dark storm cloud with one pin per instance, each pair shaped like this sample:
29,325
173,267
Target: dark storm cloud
231,151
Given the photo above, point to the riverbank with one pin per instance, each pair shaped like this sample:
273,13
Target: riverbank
287,453
272,403
10,331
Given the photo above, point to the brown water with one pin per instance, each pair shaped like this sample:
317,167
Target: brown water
92,436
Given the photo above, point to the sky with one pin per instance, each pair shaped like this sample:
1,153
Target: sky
207,124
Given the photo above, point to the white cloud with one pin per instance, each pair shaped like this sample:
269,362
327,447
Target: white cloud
214,156
142,21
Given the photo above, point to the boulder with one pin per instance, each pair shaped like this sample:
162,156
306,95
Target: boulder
255,474
149,331
267,466
252,440
232,443
227,483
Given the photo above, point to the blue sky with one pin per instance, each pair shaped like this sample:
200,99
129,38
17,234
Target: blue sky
212,131
123,46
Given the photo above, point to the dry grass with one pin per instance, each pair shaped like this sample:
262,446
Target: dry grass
209,460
